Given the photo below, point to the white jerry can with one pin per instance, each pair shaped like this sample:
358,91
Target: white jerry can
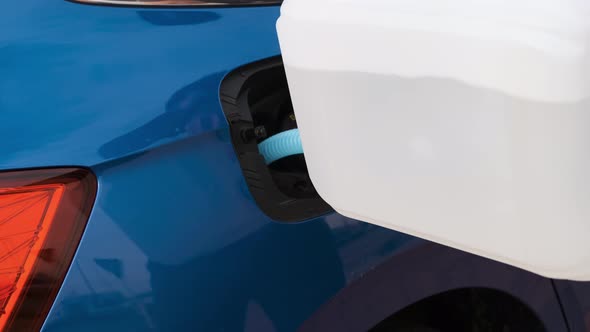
464,122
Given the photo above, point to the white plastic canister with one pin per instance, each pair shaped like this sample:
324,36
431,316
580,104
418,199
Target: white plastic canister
465,122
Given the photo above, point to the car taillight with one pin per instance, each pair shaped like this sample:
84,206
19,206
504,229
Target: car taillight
42,216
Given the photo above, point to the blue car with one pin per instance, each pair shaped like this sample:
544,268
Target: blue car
134,196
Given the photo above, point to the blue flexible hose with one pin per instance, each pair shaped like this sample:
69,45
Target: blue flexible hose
281,145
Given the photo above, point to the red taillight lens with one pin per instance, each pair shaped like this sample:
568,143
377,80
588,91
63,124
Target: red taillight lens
42,216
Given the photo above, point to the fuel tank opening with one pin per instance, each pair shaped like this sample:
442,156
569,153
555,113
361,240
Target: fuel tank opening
256,102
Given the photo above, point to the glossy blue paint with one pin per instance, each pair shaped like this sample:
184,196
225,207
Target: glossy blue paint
215,263
175,241
77,80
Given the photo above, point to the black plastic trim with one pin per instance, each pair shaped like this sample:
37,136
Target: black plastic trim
272,201
179,3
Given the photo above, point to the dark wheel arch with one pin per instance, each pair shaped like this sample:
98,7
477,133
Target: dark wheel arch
421,271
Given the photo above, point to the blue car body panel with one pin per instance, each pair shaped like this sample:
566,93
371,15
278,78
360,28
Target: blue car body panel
175,241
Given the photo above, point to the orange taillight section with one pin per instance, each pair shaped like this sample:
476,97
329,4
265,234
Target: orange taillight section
42,216
25,218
